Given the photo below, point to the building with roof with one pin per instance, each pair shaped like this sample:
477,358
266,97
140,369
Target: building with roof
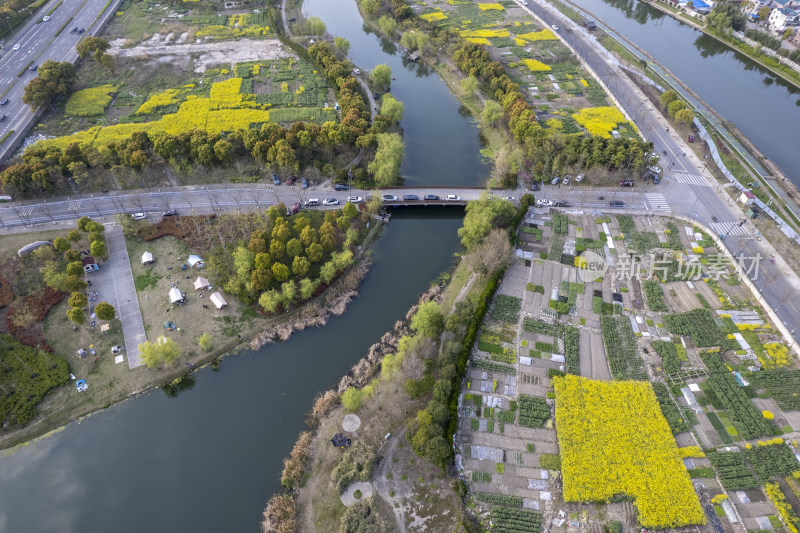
147,258
782,18
218,300
746,197
90,264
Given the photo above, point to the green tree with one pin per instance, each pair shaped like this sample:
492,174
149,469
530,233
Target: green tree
280,271
300,266
382,76
414,40
675,106
668,97
288,293
77,315
98,249
75,268
428,321
342,44
105,311
314,252
350,210
270,300
54,79
316,26
387,25
72,284
307,288
164,352
73,256
294,248
492,111
437,451
91,45
725,16
386,163
204,341
61,244
78,299
481,216
83,224
469,85
327,272
763,13
351,399
392,108
74,236
684,116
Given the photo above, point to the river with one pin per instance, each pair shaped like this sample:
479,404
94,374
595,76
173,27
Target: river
208,459
763,106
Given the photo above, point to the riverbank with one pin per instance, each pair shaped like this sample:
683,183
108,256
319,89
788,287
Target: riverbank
64,405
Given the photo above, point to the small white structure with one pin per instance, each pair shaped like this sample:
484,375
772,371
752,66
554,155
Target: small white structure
746,198
201,283
218,300
175,296
147,258
195,261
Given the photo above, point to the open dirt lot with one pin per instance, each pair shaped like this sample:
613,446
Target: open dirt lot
202,56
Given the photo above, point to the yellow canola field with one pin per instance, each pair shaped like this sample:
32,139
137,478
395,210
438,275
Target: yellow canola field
90,102
484,33
479,40
490,7
614,440
434,17
159,99
535,66
599,120
544,35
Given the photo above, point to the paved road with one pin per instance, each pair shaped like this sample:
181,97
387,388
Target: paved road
127,302
38,43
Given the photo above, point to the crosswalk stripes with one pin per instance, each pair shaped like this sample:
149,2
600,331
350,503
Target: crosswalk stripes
690,179
723,228
657,202
26,211
75,205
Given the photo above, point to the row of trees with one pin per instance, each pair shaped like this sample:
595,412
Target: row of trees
676,108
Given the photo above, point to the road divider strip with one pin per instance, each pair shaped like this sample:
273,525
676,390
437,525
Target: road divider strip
25,68
54,8
6,136
62,27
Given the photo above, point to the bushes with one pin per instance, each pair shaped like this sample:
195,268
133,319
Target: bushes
550,461
355,465
506,308
533,412
572,350
559,307
732,470
654,296
698,324
294,465
669,356
668,408
621,350
544,347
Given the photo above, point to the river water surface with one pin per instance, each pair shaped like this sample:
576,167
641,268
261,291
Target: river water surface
207,460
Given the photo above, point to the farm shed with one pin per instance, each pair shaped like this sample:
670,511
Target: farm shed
147,258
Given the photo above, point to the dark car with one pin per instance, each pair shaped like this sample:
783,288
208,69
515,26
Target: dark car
4,101
81,30
276,180
73,29
432,197
535,186
33,67
2,118
341,187
290,181
656,179
616,203
170,213
304,183
626,183
410,197
561,203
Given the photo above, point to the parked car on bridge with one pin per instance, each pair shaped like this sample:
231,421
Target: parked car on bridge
453,197
431,197
312,202
330,201
389,198
276,180
355,200
410,197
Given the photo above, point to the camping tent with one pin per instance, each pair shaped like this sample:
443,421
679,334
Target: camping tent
175,296
195,261
147,258
201,283
218,300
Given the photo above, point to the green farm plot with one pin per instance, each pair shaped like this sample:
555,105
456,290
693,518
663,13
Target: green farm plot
621,350
697,324
771,461
732,469
506,308
783,386
533,412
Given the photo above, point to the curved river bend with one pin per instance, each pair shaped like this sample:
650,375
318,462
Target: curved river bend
207,460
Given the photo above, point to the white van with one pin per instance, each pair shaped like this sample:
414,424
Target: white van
139,216
312,202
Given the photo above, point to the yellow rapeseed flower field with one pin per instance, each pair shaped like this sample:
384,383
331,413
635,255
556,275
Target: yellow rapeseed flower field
599,120
490,7
484,33
535,66
159,99
479,40
615,440
90,102
436,16
544,35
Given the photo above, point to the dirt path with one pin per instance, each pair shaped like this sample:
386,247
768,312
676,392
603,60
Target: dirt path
382,485
464,290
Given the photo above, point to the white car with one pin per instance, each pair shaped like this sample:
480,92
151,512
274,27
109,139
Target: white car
139,216
312,202
524,2
356,71
509,198
544,203
555,28
330,201
579,178
355,200
453,197
16,47
45,18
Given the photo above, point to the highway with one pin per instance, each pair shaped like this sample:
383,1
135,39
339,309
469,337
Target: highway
38,43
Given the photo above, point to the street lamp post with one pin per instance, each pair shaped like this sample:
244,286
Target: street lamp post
10,28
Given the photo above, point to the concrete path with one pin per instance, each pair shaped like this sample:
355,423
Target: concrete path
127,303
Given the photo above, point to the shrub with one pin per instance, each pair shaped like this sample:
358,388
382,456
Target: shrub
550,461
355,465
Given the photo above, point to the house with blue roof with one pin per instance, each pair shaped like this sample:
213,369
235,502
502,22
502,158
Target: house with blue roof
782,18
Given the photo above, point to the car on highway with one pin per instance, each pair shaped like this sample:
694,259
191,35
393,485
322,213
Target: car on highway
2,118
579,178
616,203
45,18
561,203
33,67
304,183
276,180
16,47
389,198
330,201
169,213
431,197
555,181
139,216
410,197
4,101
312,202
74,29
626,183
81,30
356,71
567,179
453,197
341,187
355,200
555,28
544,203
